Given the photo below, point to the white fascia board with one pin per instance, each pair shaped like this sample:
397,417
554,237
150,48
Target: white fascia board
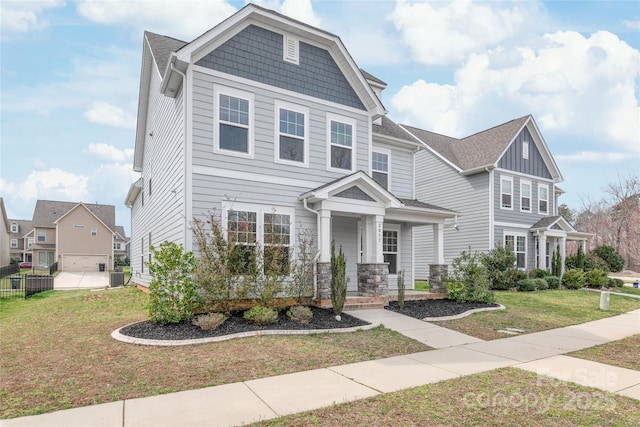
538,139
133,192
397,142
143,105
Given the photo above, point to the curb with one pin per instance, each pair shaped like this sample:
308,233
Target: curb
465,314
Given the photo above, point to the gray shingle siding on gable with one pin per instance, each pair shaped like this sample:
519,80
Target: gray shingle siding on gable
257,54
512,158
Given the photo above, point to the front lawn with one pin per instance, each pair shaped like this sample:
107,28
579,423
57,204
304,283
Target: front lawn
57,353
539,311
623,353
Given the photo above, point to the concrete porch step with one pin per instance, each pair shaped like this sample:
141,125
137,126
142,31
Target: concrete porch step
353,306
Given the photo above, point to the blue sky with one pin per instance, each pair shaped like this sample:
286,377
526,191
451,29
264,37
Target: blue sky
70,77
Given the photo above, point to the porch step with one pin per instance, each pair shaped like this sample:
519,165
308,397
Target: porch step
364,306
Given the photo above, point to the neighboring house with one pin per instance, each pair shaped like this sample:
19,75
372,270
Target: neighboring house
5,232
21,239
120,243
503,181
268,122
78,236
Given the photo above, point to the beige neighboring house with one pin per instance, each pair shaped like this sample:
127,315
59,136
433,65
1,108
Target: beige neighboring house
5,257
79,236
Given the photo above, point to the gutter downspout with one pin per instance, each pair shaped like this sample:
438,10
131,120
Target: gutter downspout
315,258
187,244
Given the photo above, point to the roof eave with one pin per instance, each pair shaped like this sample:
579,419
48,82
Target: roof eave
480,169
132,194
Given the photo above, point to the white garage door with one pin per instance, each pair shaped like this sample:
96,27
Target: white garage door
83,262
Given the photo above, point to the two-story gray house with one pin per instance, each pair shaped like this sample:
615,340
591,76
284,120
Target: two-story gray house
503,181
269,122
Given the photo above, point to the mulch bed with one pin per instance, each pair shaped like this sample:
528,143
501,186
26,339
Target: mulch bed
322,319
435,308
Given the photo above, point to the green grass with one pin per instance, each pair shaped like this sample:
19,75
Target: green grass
627,290
421,285
127,272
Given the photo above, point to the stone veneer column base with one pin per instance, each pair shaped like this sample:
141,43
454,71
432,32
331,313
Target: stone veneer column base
373,279
323,281
437,278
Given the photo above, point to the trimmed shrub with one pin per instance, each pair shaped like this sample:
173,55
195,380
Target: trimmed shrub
499,263
338,279
614,260
401,289
596,278
209,321
541,284
469,280
526,285
553,282
538,274
573,279
615,283
261,315
594,262
300,314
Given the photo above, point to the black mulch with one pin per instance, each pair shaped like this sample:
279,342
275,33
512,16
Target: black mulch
435,307
322,319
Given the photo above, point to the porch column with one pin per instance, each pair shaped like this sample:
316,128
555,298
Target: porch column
438,246
373,239
563,252
542,252
324,235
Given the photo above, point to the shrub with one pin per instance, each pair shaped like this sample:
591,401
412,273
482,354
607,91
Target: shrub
594,262
172,292
573,279
526,285
556,262
209,321
300,314
469,280
614,260
553,282
596,278
261,315
301,284
499,263
541,284
614,283
538,273
338,279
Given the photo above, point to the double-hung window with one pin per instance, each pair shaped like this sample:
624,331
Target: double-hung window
42,235
29,243
233,122
277,242
543,199
525,196
506,192
380,168
14,243
14,228
518,244
292,140
341,143
390,249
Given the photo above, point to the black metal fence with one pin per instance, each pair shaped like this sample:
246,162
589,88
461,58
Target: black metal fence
10,269
53,268
23,286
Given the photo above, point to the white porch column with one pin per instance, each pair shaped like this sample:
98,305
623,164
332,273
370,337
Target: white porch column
373,239
324,235
542,252
563,253
438,244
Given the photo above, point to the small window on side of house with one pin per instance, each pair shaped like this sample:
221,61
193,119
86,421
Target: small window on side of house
380,168
525,150
42,235
14,243
525,196
14,228
506,193
543,199
94,231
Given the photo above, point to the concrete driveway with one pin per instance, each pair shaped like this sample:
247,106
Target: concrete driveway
66,280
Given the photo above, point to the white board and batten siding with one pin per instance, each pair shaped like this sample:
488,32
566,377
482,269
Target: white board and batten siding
162,213
440,184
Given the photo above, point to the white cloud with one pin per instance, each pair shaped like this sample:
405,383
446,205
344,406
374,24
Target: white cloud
591,156
441,33
23,16
51,184
584,86
180,19
302,10
111,153
110,115
632,25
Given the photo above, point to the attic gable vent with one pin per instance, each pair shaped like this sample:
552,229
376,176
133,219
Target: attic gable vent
291,50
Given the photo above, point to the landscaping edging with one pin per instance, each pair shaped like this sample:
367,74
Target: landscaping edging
173,343
465,314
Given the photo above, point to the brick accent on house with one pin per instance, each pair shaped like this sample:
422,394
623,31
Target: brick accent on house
373,279
437,278
323,280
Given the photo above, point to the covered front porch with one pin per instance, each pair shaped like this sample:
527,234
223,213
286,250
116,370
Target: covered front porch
374,228
551,234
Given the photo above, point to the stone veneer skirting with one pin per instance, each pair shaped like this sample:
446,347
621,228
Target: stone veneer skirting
437,278
373,279
323,280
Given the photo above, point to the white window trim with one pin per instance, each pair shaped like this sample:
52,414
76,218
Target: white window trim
298,109
539,199
388,172
523,183
14,243
347,120
44,234
221,90
510,179
290,49
14,228
30,242
525,150
515,235
94,232
396,228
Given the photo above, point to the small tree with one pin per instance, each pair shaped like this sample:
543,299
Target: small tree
173,294
401,288
500,265
338,279
613,259
580,258
469,281
556,263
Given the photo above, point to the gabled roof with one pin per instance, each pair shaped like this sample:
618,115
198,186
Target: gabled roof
550,221
24,226
121,234
48,212
161,48
390,131
484,149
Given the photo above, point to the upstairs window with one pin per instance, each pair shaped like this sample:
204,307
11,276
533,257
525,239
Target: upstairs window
94,231
543,199
14,243
42,235
292,142
29,243
116,246
506,193
380,168
525,196
14,228
233,122
525,150
341,143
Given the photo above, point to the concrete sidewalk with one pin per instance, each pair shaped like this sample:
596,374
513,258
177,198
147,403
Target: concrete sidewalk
457,355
